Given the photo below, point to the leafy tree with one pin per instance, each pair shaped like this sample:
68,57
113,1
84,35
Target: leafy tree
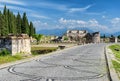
118,36
104,36
112,35
38,37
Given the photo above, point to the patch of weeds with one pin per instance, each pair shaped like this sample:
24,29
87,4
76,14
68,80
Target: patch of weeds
116,65
116,50
9,58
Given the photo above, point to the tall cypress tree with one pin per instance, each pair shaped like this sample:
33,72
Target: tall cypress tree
5,14
9,23
13,27
25,24
9,28
18,23
2,24
31,32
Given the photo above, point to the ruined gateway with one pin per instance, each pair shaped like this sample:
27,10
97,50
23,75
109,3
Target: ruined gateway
16,44
83,36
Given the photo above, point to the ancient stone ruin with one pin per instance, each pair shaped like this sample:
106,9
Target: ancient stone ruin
96,37
82,36
16,44
75,35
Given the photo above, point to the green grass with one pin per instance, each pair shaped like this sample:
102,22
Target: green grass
116,65
9,58
116,53
42,50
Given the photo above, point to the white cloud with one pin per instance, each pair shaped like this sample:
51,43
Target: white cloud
115,24
64,21
71,10
40,25
16,2
91,24
115,21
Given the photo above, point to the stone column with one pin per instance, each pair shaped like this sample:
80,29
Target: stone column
116,40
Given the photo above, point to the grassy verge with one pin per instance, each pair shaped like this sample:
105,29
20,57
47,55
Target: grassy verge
9,58
116,65
5,57
116,50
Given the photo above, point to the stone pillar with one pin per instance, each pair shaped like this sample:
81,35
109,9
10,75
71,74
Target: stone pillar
116,40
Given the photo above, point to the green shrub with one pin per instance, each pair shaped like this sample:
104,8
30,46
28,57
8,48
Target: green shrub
4,52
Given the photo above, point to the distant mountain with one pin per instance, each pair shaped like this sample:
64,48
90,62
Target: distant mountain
109,34
117,33
56,32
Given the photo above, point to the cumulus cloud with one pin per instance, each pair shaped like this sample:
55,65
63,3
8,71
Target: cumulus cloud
91,24
115,24
40,25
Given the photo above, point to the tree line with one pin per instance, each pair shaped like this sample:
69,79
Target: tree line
15,24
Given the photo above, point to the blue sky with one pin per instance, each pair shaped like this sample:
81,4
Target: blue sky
96,15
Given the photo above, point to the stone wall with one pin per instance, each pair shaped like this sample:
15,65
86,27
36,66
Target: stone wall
16,44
